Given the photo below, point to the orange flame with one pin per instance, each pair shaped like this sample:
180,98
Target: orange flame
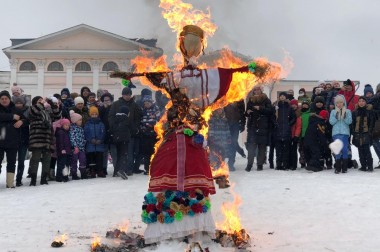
223,170
62,238
230,210
124,227
178,14
95,243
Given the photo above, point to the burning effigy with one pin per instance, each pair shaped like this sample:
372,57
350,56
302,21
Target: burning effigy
178,205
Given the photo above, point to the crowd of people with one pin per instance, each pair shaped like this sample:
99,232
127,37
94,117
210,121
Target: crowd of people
76,135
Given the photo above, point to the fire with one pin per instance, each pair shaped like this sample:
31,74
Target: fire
62,238
95,243
231,223
178,14
222,171
124,227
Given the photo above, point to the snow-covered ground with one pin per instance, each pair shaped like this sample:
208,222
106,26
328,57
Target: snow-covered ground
282,210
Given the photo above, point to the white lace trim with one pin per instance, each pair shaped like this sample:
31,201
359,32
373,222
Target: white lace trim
203,222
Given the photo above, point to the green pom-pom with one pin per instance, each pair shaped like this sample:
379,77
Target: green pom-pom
208,204
125,82
178,216
252,66
188,132
144,214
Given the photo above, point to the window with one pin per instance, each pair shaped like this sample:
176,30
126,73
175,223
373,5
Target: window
55,66
110,66
83,66
27,66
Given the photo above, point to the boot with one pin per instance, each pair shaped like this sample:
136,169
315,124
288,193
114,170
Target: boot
101,174
370,168
363,168
33,179
338,166
248,168
259,167
52,175
344,165
74,176
83,174
10,180
44,177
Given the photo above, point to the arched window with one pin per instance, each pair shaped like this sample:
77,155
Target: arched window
27,66
110,66
83,66
55,66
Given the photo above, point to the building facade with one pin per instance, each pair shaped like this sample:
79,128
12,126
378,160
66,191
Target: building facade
75,57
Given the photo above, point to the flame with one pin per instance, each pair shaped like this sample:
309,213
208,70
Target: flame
287,64
223,169
62,238
95,242
178,14
231,223
124,227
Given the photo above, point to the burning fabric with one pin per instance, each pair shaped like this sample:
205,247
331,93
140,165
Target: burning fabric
240,239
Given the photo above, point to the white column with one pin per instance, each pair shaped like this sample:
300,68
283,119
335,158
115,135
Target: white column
69,73
13,64
40,77
95,74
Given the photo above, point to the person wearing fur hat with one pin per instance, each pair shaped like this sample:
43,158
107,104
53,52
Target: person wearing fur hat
63,145
20,103
40,140
259,114
81,109
285,118
135,115
296,132
303,97
11,121
78,146
341,119
363,121
95,132
18,92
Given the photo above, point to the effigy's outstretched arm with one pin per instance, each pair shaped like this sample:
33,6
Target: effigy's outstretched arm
154,77
262,69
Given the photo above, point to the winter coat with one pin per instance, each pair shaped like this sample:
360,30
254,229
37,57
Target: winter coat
83,113
219,135
24,133
340,127
330,97
351,98
363,121
62,141
149,118
120,130
66,105
77,138
285,118
259,123
297,126
135,114
235,113
305,122
316,133
103,114
41,128
9,135
94,130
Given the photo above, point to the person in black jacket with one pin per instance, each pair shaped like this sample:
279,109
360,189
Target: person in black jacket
259,113
285,118
135,114
363,121
236,121
20,103
11,119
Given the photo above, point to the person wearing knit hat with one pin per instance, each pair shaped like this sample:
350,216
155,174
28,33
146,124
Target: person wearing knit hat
293,102
324,114
19,100
126,91
66,92
78,143
78,100
283,94
368,91
94,131
63,149
363,122
147,98
146,91
341,119
75,117
93,111
5,93
37,99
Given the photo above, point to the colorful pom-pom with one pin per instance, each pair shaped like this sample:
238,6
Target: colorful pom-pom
125,82
188,132
252,66
178,216
208,204
198,139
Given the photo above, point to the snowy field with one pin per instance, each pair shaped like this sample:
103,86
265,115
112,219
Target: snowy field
282,210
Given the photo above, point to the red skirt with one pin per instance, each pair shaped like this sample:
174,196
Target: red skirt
181,165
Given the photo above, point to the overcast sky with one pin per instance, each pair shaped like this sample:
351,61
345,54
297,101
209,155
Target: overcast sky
327,39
